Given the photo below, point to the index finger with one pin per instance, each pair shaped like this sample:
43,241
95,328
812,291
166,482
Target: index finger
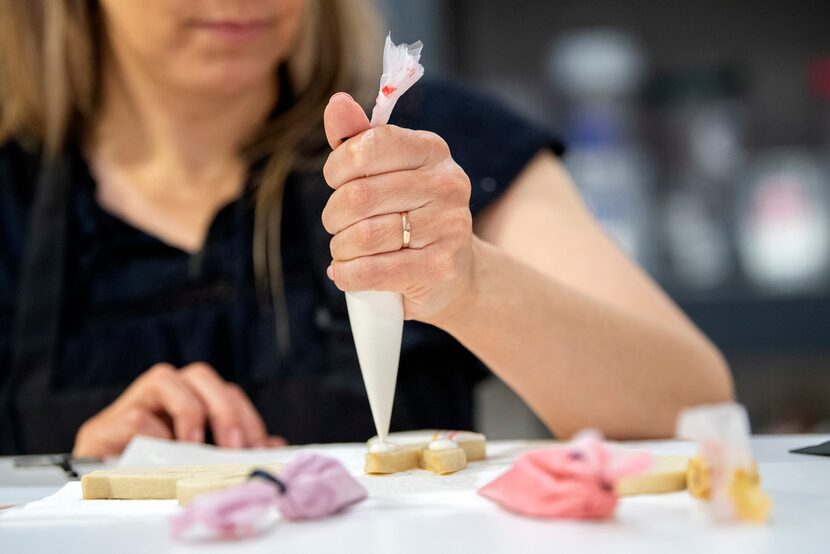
252,424
382,150
162,390
223,409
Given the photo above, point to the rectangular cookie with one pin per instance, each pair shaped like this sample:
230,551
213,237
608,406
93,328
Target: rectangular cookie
190,487
156,483
667,474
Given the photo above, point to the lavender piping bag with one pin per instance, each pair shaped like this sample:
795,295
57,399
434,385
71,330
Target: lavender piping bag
310,486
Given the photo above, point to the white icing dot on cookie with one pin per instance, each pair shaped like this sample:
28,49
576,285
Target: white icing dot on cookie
442,444
378,447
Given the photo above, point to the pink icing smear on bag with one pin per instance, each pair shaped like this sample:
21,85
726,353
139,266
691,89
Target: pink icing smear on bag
574,481
317,486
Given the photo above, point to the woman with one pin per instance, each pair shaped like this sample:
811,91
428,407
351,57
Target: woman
164,171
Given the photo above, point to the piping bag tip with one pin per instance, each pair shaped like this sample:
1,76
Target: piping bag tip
377,327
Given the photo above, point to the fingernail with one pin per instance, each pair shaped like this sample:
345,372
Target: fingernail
197,436
343,94
330,273
235,438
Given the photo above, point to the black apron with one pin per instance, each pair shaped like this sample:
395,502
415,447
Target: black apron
36,420
436,373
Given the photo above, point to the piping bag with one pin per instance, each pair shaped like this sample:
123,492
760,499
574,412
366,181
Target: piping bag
377,316
577,480
310,486
724,473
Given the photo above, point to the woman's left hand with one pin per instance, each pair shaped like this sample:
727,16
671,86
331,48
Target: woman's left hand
378,174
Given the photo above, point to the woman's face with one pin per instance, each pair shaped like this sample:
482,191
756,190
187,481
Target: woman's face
203,46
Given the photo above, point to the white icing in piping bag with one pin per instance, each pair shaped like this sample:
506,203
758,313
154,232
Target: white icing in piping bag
377,317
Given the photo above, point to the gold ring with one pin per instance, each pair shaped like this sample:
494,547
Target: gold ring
406,234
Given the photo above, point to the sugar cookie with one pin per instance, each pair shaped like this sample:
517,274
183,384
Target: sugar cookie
161,483
440,452
667,474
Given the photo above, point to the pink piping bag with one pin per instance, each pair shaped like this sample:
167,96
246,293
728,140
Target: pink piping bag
310,486
376,317
574,481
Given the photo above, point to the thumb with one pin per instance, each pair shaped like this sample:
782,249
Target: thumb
343,119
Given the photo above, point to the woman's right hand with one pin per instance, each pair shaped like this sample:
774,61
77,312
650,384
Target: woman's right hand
169,403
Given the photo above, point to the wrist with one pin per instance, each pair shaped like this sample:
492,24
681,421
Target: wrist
468,304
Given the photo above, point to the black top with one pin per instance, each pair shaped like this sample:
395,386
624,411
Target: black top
128,300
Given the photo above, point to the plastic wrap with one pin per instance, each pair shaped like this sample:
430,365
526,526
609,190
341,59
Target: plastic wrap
401,70
724,472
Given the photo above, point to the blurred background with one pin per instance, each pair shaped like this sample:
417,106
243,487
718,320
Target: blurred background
699,134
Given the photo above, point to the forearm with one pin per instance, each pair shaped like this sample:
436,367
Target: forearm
580,362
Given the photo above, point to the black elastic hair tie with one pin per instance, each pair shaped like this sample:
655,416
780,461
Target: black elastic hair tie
262,474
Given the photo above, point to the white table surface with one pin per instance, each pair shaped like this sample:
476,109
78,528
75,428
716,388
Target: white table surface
460,521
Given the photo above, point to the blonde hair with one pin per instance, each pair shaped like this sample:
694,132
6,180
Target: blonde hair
50,79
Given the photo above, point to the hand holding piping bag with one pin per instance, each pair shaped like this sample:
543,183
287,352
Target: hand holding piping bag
402,242
384,171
